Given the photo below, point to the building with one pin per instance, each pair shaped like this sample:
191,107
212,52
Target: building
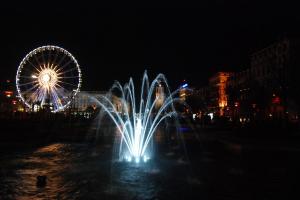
268,88
271,74
239,95
9,103
198,101
85,100
85,103
184,91
218,92
209,100
159,95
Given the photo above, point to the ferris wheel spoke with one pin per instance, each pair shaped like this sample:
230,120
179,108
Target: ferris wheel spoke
58,85
60,61
54,99
43,58
63,95
30,70
33,66
42,95
69,70
32,82
38,62
57,100
65,65
35,95
69,77
64,90
30,89
29,77
67,83
49,57
53,62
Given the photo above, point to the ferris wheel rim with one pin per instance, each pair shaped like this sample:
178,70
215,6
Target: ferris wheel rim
40,49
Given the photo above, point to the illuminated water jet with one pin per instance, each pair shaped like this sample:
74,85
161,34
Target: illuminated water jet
136,124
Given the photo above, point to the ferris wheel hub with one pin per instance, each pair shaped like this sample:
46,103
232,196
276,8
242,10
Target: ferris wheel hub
48,78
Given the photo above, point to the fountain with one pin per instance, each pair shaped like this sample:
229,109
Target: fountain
136,124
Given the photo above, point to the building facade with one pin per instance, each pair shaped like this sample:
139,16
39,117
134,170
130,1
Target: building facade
269,87
85,100
160,96
218,92
9,103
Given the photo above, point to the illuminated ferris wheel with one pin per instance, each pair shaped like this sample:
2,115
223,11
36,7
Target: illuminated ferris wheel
48,76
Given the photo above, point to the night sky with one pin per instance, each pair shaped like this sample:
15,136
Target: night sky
113,42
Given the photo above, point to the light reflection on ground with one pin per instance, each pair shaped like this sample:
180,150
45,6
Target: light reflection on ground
79,171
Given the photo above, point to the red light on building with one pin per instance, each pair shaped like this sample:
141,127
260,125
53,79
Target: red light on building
236,104
276,100
8,94
14,102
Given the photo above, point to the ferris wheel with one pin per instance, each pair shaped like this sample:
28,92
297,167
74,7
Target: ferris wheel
48,76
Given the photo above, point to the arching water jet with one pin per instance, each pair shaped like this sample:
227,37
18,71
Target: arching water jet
137,123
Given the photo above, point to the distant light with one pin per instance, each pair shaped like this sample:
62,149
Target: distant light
276,100
211,115
137,160
194,116
33,76
8,94
184,85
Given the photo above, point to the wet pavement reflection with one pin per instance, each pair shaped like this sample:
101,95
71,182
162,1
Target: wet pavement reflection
80,171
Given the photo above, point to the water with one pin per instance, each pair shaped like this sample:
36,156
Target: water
137,117
80,171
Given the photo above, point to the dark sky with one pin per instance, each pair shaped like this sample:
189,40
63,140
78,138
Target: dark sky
117,41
